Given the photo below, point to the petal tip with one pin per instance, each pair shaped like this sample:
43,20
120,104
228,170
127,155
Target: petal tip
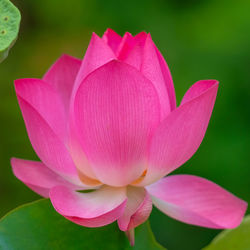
109,30
131,236
65,56
199,89
18,83
12,160
94,36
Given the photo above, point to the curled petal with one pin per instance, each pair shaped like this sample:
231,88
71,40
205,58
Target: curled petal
93,209
39,177
62,75
116,109
138,209
197,201
178,137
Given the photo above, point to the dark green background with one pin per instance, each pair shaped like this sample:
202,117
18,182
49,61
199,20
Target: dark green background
200,40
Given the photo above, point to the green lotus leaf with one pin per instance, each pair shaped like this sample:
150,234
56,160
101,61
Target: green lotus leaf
233,239
37,226
9,26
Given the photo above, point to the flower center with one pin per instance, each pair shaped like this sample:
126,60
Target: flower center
137,181
94,182
87,180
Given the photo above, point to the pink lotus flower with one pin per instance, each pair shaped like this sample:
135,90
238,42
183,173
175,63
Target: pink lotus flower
110,123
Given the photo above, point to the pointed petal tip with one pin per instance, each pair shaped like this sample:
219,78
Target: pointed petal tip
242,211
64,55
12,160
21,81
131,236
95,36
209,83
111,31
149,35
112,39
127,34
67,56
200,88
38,177
142,33
19,84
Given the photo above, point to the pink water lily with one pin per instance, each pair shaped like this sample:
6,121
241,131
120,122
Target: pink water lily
109,123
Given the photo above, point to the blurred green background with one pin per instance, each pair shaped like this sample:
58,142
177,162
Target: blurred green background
199,39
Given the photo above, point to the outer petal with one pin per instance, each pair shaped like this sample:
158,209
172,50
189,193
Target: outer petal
62,75
180,134
138,209
197,201
48,146
39,177
116,109
97,54
40,96
112,39
92,209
